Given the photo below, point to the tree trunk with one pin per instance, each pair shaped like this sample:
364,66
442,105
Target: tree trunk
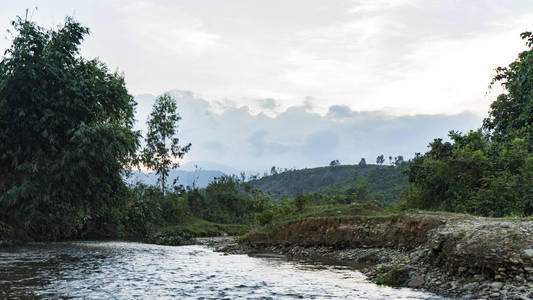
163,184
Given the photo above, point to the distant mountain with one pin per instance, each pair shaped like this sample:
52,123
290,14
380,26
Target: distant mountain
208,165
198,178
388,181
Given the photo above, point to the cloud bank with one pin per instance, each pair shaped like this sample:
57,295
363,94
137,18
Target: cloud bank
398,56
299,137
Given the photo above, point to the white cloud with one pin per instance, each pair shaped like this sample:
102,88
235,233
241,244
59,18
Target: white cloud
406,56
377,5
161,26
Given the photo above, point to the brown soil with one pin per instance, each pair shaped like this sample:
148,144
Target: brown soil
399,231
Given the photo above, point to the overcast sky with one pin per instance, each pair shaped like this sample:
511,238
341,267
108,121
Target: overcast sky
377,58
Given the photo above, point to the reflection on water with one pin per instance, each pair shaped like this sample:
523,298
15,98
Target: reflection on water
117,270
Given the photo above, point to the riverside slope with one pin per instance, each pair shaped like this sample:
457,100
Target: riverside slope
459,255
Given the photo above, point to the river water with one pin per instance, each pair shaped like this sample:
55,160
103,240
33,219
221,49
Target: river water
119,270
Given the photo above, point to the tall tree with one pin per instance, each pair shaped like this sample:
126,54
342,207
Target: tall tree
362,163
380,159
162,146
273,170
398,160
65,132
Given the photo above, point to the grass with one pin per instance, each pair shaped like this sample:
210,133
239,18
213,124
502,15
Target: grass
456,214
183,233
326,211
368,210
201,228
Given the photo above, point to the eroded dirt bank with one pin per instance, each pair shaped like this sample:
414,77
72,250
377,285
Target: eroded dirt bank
458,256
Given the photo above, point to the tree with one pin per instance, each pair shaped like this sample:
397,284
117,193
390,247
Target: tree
334,163
65,132
273,170
300,201
362,188
511,115
162,146
398,160
380,159
362,163
488,171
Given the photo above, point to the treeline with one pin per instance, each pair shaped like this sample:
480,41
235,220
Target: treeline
146,213
489,171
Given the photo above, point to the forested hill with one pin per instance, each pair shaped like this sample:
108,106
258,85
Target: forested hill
383,183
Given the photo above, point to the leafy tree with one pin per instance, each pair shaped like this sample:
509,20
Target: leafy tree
398,160
380,159
300,201
227,201
65,132
273,170
485,172
362,192
362,163
334,163
511,115
162,146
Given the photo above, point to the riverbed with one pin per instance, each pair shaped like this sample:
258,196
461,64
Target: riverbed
123,270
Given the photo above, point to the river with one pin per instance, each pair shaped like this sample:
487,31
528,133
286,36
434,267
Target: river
123,270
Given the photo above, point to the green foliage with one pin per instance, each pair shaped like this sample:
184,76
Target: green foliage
65,131
162,147
484,173
227,200
173,236
511,115
393,276
300,201
285,212
265,217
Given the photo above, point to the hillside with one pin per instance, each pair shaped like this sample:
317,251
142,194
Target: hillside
384,182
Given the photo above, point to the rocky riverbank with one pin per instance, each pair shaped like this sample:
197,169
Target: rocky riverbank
459,256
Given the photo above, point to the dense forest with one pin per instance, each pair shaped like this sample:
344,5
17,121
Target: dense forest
67,143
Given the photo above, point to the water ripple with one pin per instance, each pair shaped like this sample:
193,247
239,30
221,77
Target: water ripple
119,270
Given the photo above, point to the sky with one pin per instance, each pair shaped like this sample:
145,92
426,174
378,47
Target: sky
279,74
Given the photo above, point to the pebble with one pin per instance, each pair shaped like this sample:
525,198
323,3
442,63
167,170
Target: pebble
528,253
504,225
496,285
